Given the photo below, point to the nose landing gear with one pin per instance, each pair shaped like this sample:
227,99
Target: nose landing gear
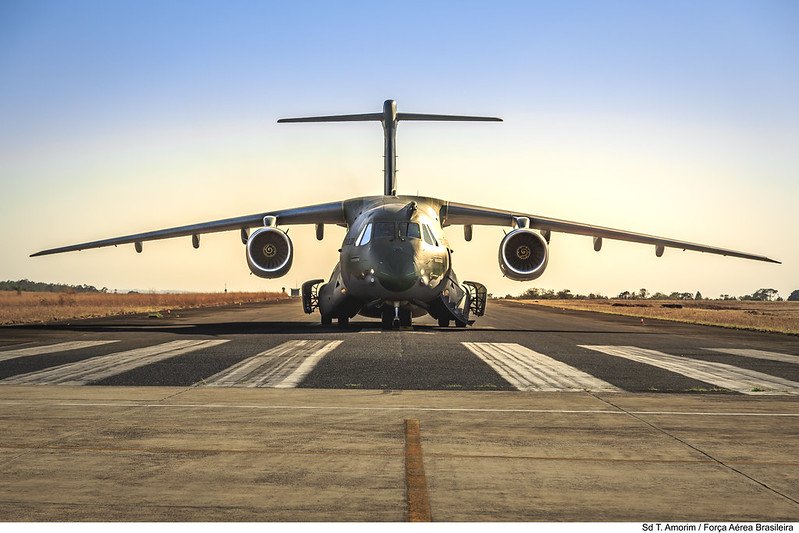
396,317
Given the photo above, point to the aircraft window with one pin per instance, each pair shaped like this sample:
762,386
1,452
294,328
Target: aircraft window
409,230
428,235
384,229
365,236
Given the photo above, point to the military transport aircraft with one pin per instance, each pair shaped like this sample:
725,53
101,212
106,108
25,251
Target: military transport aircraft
395,263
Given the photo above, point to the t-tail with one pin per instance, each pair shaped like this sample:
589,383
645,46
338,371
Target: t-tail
389,118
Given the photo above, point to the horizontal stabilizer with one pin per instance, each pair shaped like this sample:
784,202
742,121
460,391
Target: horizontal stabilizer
453,118
336,118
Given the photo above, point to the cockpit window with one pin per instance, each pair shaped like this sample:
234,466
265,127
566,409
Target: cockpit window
365,236
427,234
384,229
409,230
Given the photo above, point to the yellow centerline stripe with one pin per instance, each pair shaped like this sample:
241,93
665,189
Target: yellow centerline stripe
416,493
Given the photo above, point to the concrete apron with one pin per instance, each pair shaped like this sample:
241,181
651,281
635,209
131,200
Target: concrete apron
236,454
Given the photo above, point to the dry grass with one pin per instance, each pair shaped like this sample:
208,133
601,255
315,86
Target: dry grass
782,317
32,307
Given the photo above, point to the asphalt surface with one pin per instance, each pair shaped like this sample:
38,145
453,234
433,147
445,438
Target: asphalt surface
257,412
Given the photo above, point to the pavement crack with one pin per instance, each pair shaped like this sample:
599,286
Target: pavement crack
695,448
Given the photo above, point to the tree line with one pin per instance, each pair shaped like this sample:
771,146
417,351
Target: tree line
762,295
38,286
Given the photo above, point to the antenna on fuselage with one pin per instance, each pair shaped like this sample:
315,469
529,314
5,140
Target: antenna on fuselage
389,118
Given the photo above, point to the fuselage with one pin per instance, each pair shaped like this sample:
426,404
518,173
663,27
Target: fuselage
394,254
394,251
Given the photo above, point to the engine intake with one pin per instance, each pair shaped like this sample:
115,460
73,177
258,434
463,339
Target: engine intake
269,253
523,255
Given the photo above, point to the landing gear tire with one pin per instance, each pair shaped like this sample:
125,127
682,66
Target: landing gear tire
405,318
387,319
343,322
327,320
443,322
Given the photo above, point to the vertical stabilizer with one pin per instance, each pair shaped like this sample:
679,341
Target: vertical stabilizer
390,148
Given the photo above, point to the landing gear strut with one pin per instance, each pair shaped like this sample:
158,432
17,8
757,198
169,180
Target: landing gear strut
396,317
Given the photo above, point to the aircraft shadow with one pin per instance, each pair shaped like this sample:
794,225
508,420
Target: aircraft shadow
291,328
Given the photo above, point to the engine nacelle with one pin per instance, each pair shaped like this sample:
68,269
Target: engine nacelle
269,253
523,255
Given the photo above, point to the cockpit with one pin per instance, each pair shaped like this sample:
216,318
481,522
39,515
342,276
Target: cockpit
395,230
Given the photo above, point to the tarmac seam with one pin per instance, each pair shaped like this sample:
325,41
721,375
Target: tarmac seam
620,411
417,497
280,451
697,449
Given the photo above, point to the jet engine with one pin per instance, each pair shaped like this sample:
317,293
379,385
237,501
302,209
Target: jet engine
523,255
269,252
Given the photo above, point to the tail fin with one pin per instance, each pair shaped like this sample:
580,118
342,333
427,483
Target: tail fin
389,118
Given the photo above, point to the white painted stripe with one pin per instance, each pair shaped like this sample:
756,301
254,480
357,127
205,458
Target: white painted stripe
98,368
283,366
758,354
528,370
50,348
294,379
719,374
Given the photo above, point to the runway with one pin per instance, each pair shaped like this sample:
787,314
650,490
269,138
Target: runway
258,412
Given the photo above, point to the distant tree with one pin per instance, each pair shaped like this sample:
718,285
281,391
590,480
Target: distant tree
624,295
643,294
564,294
794,297
698,295
659,296
765,295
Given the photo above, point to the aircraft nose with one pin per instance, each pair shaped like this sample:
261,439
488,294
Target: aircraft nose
398,270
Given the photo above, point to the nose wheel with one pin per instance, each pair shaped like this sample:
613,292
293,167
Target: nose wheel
396,318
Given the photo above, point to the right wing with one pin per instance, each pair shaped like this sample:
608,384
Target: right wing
456,213
332,213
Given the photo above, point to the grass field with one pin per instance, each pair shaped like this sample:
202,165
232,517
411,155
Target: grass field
782,317
33,307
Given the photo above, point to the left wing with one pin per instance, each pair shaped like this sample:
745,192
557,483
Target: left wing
332,213
455,213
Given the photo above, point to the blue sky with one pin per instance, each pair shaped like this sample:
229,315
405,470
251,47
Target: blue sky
675,118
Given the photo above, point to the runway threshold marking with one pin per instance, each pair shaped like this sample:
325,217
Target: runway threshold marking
720,374
528,370
96,368
50,348
283,366
416,495
758,354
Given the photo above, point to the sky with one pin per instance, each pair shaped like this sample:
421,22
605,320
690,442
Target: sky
677,119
